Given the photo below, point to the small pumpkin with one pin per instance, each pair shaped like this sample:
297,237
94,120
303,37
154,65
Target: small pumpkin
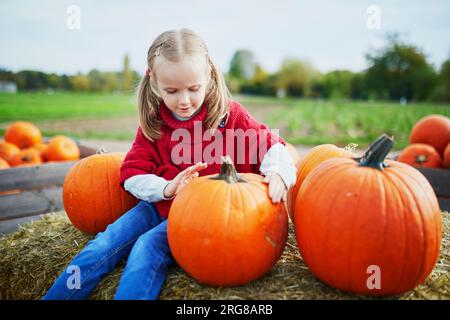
446,160
312,159
4,164
92,195
368,225
420,155
434,130
61,148
8,150
23,134
224,230
26,157
41,148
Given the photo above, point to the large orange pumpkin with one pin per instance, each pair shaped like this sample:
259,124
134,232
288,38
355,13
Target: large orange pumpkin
312,159
61,148
92,195
23,134
433,130
420,155
26,157
8,150
224,230
368,226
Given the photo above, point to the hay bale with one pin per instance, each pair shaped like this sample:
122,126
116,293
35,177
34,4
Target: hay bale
32,258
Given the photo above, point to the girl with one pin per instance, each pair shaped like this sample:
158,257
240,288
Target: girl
182,92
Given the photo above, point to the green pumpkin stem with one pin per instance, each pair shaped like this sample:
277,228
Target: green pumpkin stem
228,172
377,152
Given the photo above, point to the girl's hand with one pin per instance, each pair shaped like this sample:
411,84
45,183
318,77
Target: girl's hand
277,188
182,179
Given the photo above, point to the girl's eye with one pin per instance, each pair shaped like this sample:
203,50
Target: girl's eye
170,92
194,89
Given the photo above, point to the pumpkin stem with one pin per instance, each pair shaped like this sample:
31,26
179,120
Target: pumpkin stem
228,172
377,152
101,150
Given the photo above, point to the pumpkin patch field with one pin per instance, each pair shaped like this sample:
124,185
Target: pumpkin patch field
362,221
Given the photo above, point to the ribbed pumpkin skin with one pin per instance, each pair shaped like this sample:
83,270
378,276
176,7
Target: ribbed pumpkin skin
312,159
350,217
92,195
434,130
226,234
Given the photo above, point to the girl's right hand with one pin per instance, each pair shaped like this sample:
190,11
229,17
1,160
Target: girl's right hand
182,179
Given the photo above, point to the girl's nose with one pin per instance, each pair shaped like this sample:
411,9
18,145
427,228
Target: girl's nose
184,99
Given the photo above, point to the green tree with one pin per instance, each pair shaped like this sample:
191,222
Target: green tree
296,77
400,70
442,92
127,75
80,82
243,65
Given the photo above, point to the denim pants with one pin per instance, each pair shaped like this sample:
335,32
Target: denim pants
141,235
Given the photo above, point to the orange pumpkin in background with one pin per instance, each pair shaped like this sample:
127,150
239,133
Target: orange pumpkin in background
433,130
312,159
41,147
61,148
224,230
446,160
359,218
26,157
420,155
23,134
4,164
92,195
8,150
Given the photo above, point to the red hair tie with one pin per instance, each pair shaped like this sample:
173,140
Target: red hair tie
147,72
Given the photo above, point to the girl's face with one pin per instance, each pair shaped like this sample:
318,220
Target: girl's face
182,85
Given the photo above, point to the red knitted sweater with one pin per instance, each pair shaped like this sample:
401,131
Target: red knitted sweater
156,157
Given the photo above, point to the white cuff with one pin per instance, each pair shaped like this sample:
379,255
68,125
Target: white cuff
278,160
148,187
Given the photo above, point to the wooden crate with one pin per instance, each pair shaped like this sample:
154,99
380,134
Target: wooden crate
28,192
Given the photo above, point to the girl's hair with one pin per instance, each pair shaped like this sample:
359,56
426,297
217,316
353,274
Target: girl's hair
173,45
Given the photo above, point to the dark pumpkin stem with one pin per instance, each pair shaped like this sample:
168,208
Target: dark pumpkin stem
228,172
377,152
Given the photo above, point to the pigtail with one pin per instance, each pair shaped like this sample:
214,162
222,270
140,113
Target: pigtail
148,106
217,97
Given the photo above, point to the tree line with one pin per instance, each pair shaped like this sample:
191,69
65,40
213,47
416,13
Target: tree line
398,71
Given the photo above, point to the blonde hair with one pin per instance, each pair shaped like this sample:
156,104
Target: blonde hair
173,45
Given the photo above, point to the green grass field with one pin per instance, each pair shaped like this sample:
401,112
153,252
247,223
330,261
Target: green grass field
299,121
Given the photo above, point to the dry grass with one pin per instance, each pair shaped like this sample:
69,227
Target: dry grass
32,258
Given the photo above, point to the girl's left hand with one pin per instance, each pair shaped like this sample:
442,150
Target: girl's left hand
277,188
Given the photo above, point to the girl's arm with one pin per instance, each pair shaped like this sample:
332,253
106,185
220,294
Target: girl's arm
147,187
278,160
151,188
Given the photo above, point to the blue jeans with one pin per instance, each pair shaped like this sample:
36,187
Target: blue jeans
141,235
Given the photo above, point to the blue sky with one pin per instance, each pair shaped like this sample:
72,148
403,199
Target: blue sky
330,34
